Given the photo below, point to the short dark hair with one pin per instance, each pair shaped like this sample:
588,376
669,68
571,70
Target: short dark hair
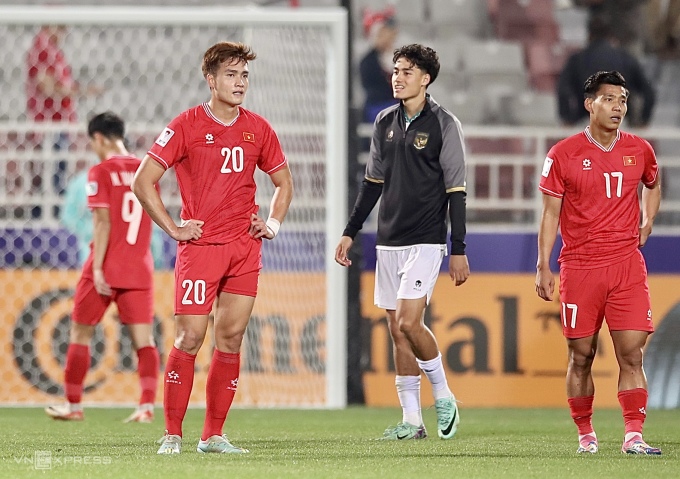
108,124
225,51
422,57
596,80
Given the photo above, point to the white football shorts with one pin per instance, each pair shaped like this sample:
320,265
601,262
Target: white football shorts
406,273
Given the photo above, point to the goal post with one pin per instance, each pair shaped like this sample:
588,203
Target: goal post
146,63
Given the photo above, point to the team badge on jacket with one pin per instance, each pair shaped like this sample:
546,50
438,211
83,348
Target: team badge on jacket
420,140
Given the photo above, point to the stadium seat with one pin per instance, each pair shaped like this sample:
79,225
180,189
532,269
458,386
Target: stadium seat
459,17
526,21
409,14
469,109
496,70
545,62
533,109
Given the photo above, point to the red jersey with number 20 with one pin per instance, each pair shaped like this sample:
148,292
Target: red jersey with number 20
128,263
215,166
600,215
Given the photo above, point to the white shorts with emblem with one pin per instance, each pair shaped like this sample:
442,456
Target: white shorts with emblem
406,273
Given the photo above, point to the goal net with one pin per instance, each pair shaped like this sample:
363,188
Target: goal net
144,64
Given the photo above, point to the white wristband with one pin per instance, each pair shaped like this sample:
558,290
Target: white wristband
273,226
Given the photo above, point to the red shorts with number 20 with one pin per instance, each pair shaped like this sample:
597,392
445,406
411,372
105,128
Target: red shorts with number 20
618,292
202,271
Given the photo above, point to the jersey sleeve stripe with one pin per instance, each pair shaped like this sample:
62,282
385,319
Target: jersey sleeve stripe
653,182
98,205
550,192
375,180
455,188
159,160
277,167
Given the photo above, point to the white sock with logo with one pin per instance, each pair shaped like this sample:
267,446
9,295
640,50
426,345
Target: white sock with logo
408,390
434,370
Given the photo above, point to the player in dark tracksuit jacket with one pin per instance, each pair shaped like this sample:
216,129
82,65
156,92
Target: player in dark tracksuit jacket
417,165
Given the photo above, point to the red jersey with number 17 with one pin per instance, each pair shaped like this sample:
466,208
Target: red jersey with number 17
600,215
215,166
128,263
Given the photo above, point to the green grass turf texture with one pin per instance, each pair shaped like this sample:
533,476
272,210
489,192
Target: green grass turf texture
490,443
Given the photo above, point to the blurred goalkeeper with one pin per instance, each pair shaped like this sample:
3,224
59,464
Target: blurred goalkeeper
215,148
119,268
417,165
590,187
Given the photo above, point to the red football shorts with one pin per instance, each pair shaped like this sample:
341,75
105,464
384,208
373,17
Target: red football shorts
618,292
135,306
202,271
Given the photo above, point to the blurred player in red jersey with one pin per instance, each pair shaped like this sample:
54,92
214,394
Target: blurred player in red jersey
590,190
215,148
119,268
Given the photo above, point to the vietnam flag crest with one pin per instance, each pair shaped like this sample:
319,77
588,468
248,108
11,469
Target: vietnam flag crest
250,137
629,161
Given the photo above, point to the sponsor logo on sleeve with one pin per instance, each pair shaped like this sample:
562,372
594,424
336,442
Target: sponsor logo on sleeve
629,161
91,188
165,137
547,164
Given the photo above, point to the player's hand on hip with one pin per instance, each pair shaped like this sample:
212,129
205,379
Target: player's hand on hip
189,230
258,228
342,250
459,269
100,283
545,284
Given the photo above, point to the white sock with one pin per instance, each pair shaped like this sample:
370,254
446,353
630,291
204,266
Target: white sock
145,407
408,390
434,370
631,435
75,407
581,436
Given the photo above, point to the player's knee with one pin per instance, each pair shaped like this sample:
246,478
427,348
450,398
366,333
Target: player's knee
189,341
631,360
229,341
581,361
81,334
408,327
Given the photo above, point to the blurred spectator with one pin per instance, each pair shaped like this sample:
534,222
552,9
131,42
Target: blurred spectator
663,27
603,53
375,67
625,18
50,94
76,217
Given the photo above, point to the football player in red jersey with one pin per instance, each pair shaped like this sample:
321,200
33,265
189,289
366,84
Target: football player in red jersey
215,148
119,269
590,190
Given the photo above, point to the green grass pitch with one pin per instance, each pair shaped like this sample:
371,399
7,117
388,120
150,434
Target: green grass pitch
491,443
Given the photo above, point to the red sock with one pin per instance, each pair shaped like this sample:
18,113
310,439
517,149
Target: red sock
582,413
77,364
219,391
148,363
179,378
634,405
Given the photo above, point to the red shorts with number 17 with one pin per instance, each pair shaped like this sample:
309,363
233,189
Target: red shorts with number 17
203,271
617,293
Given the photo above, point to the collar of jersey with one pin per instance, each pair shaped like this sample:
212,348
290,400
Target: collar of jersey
596,143
209,112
